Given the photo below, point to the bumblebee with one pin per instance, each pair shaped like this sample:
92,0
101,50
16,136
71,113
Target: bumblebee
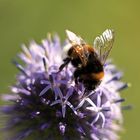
88,60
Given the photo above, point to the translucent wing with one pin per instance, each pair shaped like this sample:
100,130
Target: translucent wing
103,44
74,39
78,45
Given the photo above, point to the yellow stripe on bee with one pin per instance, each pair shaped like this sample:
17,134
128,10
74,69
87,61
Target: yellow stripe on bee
98,76
93,76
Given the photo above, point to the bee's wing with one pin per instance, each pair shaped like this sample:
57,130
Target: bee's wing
103,44
74,39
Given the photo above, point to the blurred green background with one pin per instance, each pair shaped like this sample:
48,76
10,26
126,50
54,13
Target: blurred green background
22,21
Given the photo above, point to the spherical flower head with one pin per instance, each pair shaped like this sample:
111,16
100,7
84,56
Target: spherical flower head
48,105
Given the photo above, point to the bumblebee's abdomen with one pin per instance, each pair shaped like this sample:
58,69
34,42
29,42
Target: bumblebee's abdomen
92,80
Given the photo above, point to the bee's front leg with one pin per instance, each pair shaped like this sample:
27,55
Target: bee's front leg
66,61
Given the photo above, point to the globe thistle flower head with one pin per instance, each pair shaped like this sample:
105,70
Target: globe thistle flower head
49,105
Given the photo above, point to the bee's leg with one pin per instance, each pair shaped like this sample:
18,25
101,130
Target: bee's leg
77,73
86,91
90,85
66,61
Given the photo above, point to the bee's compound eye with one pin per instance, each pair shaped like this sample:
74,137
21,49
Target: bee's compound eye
70,51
